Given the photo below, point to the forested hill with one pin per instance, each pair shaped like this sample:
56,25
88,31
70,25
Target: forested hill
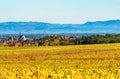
110,26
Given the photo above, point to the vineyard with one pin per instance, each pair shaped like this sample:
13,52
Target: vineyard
95,61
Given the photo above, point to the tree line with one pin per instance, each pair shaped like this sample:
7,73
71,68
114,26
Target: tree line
71,40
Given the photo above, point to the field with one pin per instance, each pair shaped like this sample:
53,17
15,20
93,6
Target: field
97,61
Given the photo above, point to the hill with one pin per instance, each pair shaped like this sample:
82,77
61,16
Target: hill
110,26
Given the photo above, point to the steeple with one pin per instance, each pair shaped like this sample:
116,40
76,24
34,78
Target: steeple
20,34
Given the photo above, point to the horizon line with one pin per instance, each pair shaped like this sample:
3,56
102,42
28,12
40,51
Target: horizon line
60,23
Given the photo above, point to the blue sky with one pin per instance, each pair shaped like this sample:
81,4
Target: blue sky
59,11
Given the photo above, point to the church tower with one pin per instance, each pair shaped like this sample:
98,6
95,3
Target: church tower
20,34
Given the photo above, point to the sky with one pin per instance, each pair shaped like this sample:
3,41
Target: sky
59,11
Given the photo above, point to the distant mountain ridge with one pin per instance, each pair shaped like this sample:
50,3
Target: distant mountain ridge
110,26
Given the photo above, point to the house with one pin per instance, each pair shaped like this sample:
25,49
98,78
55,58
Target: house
72,38
18,44
4,42
67,37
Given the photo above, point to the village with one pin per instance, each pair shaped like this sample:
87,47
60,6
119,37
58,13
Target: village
54,40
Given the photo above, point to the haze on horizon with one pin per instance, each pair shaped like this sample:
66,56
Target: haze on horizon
59,11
